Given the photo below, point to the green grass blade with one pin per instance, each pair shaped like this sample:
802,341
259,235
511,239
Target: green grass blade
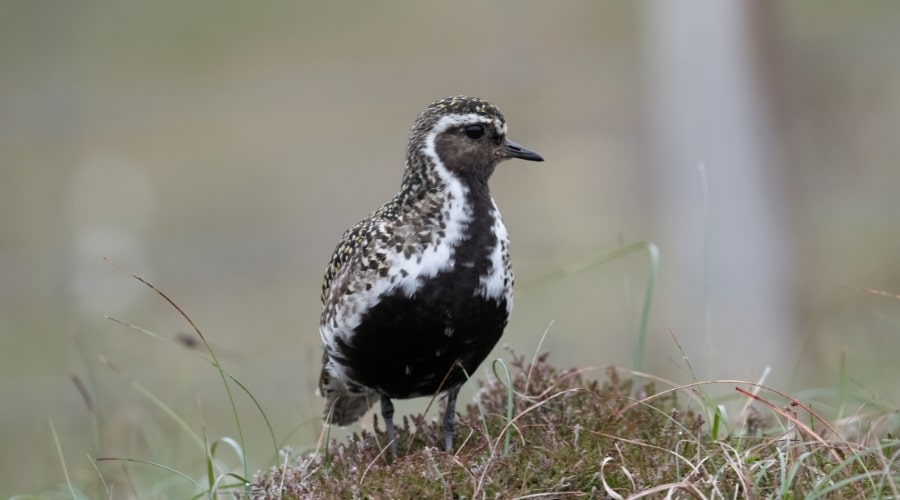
653,275
157,465
170,413
62,461
509,399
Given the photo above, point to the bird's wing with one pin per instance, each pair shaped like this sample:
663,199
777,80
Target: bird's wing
352,241
358,273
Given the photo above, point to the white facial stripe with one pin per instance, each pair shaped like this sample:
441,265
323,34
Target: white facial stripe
497,283
500,126
457,213
450,121
444,124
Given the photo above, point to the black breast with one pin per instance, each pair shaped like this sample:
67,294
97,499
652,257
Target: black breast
406,346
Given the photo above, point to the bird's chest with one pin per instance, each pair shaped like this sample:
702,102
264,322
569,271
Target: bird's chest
445,299
408,343
457,253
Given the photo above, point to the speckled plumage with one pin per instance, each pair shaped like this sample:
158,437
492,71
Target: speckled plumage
423,285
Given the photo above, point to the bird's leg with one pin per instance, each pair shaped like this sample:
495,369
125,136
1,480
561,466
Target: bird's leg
450,417
387,413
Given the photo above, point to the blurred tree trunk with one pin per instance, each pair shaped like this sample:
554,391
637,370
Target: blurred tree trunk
718,184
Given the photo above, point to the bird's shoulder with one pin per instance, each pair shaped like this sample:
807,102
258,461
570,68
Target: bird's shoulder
364,247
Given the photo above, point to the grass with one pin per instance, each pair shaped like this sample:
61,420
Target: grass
575,436
538,431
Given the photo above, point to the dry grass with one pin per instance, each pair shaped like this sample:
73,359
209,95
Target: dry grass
575,437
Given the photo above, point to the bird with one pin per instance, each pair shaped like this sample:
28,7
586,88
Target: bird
418,293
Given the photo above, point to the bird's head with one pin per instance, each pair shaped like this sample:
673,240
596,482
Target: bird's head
463,137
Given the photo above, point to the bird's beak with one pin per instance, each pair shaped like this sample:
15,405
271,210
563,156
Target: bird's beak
511,149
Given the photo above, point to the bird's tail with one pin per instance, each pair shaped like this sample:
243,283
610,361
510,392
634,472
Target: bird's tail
343,406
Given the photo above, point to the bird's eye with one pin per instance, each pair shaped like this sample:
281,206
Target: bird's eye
475,131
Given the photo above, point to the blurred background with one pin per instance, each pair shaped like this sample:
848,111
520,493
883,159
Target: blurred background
219,149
